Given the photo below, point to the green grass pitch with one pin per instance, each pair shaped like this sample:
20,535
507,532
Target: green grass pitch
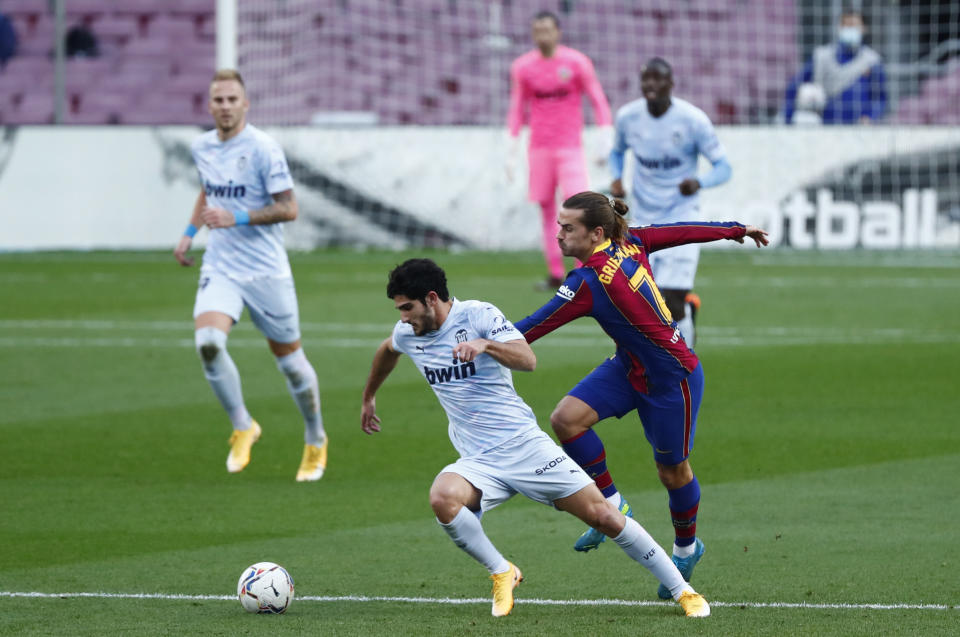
827,448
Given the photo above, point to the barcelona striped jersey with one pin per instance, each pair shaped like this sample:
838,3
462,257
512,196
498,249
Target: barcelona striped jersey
615,287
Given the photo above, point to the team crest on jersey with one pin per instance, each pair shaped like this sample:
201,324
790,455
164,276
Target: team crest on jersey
242,162
677,138
564,74
461,336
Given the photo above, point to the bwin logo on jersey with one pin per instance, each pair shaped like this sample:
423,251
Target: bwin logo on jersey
566,293
442,375
665,163
230,190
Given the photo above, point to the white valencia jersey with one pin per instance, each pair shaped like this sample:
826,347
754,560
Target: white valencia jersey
483,408
665,150
241,174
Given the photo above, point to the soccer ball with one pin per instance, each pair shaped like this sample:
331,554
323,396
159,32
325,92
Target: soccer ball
265,587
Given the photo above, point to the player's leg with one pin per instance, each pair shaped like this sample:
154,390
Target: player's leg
670,421
273,309
674,270
457,504
676,301
605,392
589,505
559,483
217,308
572,174
543,191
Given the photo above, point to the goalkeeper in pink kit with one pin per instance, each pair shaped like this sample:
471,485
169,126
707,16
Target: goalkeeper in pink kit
550,81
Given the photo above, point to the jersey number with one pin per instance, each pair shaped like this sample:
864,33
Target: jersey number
640,277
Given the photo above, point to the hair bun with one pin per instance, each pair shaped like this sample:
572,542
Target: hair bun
619,206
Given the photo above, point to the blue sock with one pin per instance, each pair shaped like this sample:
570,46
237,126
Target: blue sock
684,503
587,451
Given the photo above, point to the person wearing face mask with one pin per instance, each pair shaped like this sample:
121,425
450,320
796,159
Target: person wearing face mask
850,75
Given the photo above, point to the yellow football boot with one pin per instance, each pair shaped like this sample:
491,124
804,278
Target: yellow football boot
693,604
240,443
314,462
503,585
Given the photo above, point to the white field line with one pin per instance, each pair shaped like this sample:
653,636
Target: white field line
177,334
829,282
756,281
483,600
897,260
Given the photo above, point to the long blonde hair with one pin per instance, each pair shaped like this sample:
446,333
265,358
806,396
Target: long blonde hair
599,211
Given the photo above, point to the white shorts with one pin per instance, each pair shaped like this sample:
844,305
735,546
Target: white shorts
531,464
675,268
272,303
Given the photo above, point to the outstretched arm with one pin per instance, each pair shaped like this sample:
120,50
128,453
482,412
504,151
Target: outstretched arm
758,235
660,237
573,300
384,360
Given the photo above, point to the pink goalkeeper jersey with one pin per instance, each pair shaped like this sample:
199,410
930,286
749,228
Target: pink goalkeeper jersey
554,87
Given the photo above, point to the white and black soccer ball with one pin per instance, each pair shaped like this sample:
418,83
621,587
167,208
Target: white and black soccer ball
265,587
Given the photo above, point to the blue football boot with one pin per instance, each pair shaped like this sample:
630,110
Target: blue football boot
685,566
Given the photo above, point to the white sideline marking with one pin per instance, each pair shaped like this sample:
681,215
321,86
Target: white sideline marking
485,600
710,337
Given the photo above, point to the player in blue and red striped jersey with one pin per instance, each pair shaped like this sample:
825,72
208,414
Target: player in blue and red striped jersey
653,370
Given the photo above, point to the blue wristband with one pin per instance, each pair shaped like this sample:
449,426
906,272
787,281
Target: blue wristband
241,217
190,231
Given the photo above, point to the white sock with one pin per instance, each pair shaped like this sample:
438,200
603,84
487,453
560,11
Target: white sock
686,325
466,532
303,386
684,551
222,374
638,544
616,500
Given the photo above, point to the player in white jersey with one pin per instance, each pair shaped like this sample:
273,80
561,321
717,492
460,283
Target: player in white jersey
246,193
667,135
465,351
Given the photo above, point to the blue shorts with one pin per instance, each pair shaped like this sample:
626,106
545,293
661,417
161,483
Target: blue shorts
669,416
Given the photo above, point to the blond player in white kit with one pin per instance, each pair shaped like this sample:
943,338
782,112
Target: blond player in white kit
466,350
246,193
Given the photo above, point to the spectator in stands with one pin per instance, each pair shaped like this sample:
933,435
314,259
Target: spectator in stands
81,42
849,73
8,40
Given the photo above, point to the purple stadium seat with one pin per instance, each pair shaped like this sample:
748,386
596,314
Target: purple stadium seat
198,9
34,108
172,29
97,107
87,8
16,8
119,28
